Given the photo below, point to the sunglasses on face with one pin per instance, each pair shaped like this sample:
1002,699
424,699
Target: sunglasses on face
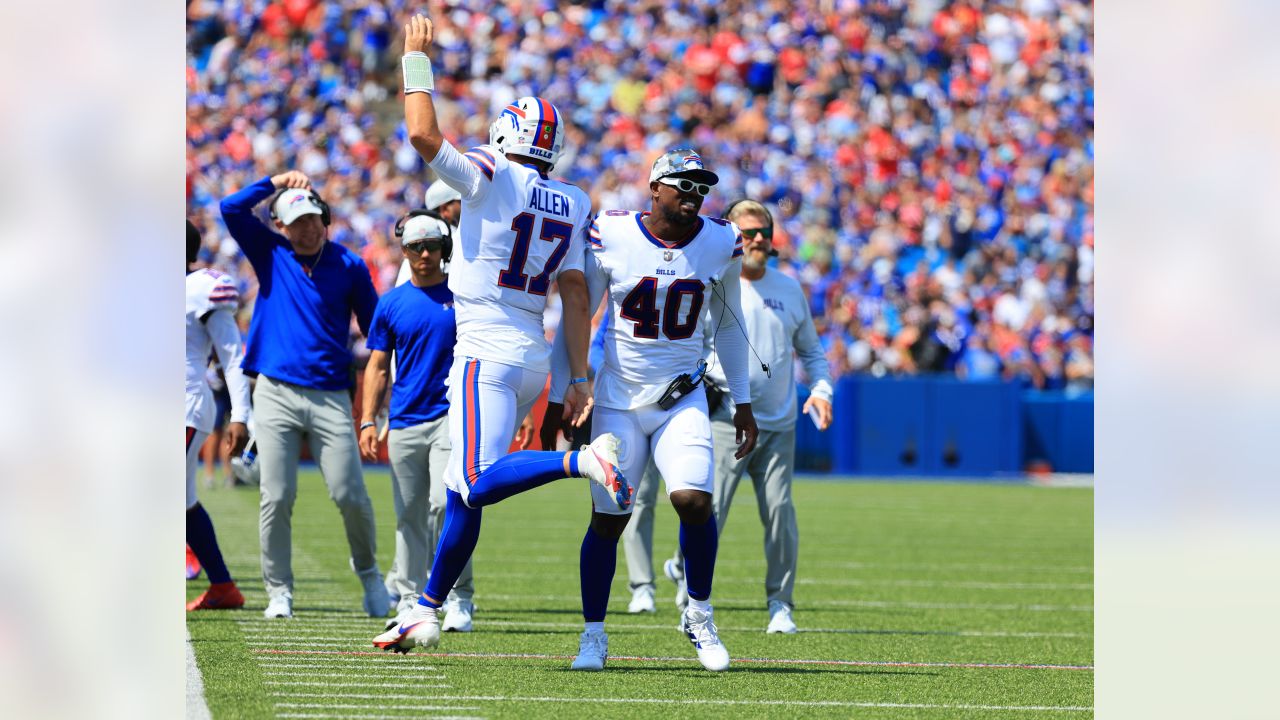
686,185
753,233
426,246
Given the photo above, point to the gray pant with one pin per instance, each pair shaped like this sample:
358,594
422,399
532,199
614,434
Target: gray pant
770,465
283,413
419,455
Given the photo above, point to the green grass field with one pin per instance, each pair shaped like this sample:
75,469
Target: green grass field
915,600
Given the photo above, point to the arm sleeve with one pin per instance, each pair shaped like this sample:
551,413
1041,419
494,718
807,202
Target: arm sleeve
221,325
810,350
470,174
364,296
731,342
597,282
254,238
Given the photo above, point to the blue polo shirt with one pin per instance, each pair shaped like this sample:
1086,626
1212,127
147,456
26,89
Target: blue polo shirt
301,323
419,326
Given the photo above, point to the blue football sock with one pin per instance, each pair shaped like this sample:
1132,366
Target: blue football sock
596,565
699,544
204,543
513,474
457,541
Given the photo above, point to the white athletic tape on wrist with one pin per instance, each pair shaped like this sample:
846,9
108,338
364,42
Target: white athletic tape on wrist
416,68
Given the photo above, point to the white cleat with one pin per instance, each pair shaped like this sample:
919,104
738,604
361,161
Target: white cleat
420,629
403,608
642,600
599,461
280,606
675,573
593,651
780,620
701,630
457,615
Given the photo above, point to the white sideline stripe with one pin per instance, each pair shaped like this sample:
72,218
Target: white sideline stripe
320,664
393,673
577,627
355,696
808,703
376,716
352,685
197,708
330,706
855,582
855,565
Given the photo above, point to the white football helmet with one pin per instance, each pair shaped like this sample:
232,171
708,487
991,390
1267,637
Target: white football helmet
531,127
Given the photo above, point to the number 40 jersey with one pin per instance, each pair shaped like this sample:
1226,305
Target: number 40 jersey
660,296
518,231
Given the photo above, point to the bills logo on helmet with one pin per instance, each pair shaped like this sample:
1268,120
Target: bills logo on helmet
693,162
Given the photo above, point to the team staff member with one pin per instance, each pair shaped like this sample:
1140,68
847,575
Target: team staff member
308,289
776,315
416,322
445,202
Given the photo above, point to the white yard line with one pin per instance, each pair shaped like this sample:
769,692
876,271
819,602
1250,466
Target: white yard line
753,601
364,672
197,708
807,703
366,706
624,626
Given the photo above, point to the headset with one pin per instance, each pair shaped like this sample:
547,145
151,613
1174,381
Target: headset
446,242
325,215
768,216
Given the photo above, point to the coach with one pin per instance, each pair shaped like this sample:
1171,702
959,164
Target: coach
415,321
298,349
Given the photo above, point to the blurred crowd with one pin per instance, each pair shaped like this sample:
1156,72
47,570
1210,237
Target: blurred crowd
929,164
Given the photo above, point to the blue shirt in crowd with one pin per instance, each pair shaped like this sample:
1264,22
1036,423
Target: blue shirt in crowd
418,324
300,327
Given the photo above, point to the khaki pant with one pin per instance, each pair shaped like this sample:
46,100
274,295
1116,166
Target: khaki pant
419,455
283,413
771,465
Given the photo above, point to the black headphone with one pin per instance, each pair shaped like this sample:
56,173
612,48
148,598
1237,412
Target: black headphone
325,215
768,215
446,242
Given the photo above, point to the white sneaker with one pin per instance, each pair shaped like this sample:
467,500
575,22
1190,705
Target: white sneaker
457,615
420,629
376,601
279,606
599,461
593,651
675,573
701,630
642,600
780,620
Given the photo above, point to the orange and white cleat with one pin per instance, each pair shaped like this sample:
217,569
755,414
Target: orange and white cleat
219,596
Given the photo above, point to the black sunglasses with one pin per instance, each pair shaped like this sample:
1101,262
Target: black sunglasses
752,233
424,246
685,185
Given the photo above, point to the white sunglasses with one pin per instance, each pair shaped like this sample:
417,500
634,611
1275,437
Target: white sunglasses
685,185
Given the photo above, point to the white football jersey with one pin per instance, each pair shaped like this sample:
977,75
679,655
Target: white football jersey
518,231
208,294
658,295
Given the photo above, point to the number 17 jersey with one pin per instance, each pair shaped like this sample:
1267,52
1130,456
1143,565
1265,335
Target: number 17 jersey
518,231
658,294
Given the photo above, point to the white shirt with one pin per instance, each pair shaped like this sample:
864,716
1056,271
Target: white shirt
658,294
518,231
211,326
777,317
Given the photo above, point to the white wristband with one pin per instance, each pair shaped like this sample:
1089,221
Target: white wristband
416,68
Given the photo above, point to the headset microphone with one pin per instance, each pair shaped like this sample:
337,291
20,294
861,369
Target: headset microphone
764,366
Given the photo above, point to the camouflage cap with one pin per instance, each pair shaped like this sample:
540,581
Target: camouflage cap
682,162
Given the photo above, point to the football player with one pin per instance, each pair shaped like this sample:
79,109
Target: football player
520,230
659,269
211,326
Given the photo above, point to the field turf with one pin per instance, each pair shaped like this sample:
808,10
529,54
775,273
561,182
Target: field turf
915,600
